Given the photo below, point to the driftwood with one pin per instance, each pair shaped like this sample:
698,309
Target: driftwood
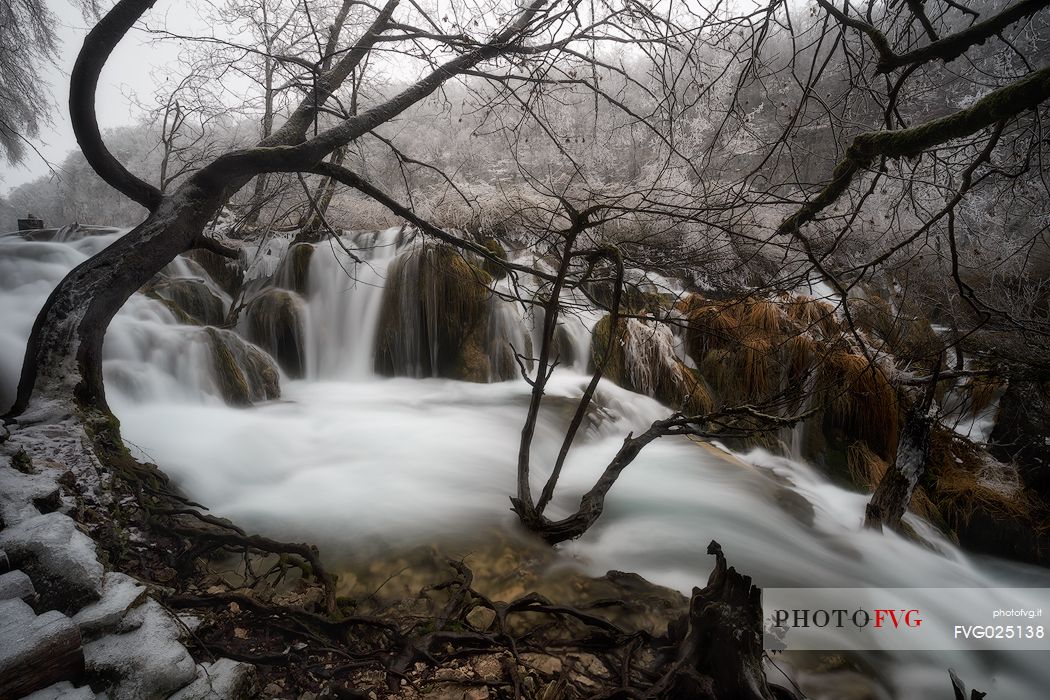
719,641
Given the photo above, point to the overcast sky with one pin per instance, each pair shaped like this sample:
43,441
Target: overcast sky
129,69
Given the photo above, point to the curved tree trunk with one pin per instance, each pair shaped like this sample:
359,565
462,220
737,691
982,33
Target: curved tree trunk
63,357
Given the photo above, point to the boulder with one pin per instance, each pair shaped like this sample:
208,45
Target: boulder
59,559
144,659
274,321
243,373
191,300
435,317
36,651
294,271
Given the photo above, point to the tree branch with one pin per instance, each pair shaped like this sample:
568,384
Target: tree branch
1002,104
98,46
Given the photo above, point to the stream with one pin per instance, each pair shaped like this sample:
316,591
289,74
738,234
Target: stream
364,466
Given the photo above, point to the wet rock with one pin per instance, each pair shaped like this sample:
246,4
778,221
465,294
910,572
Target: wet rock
496,248
1021,432
434,318
274,320
243,373
294,271
226,273
191,300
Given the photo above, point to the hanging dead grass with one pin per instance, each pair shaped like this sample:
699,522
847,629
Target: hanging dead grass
802,352
761,316
859,399
711,326
643,359
906,332
814,315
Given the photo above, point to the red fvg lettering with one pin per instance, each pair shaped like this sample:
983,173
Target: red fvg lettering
909,618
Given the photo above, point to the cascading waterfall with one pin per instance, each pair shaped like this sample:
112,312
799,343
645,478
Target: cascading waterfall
361,466
345,299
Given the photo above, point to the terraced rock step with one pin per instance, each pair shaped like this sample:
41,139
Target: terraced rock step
37,650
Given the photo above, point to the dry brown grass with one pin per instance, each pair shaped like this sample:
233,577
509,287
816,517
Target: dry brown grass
859,399
711,326
956,475
813,315
760,349
906,332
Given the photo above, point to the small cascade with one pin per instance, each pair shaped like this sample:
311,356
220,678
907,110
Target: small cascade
345,296
155,347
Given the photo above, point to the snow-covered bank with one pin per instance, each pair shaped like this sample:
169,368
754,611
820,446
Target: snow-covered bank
70,628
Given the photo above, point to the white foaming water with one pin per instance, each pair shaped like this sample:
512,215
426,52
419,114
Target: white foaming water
362,465
346,298
147,355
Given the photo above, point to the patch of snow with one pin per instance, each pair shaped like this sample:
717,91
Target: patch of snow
148,658
120,593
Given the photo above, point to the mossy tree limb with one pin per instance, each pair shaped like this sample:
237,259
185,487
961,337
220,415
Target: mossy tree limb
944,49
1000,105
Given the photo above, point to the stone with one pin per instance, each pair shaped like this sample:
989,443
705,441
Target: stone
36,651
120,593
145,657
15,584
59,558
480,618
223,680
62,691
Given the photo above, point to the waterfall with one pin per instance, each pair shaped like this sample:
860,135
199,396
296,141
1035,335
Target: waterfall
365,467
345,297
149,354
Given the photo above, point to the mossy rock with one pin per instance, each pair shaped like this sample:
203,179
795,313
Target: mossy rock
274,321
562,346
294,270
435,316
226,273
642,360
191,301
243,373
496,248
634,298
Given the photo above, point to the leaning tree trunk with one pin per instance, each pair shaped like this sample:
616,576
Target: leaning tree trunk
894,492
63,357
